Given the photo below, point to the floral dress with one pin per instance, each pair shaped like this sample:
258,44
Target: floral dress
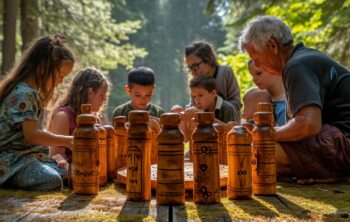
23,165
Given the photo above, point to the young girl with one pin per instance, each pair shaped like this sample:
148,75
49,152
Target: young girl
25,91
88,86
200,59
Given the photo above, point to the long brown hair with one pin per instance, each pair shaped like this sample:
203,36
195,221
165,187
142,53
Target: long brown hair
40,61
203,50
77,93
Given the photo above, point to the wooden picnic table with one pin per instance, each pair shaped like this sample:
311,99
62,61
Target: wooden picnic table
328,202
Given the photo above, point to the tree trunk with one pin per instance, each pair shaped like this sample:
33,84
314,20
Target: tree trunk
29,22
9,43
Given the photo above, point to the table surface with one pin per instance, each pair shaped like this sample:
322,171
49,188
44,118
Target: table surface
318,202
188,175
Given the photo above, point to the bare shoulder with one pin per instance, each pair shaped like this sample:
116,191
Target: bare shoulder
59,117
60,123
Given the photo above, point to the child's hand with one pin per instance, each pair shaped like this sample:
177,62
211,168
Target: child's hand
190,111
61,161
154,125
176,109
69,142
155,119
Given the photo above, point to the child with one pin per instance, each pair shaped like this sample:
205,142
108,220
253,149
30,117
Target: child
140,87
251,98
24,93
88,86
204,95
200,59
273,86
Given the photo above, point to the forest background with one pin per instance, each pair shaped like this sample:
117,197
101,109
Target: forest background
116,35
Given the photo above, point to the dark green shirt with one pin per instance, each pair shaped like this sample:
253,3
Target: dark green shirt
124,109
312,78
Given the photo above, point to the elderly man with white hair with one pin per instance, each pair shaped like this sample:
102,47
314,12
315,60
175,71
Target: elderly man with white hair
315,143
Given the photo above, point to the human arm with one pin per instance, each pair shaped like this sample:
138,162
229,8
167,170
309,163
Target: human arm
183,126
26,111
59,125
187,123
191,111
307,122
303,90
227,80
154,123
34,135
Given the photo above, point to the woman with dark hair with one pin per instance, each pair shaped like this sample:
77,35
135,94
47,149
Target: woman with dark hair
200,59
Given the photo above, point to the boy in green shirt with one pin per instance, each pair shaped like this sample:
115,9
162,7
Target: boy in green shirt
140,87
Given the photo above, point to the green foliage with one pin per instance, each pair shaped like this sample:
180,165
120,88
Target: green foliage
95,36
167,27
238,62
319,24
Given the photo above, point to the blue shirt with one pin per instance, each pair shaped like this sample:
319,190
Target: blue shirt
280,112
23,103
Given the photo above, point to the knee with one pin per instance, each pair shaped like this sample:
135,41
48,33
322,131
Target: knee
48,179
53,182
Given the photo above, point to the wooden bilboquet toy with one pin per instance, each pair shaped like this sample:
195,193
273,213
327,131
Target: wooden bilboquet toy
248,126
191,128
85,156
223,129
264,159
239,182
155,128
170,173
206,184
138,163
121,133
102,135
220,128
112,154
266,107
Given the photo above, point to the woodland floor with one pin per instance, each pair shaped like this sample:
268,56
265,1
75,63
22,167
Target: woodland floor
318,202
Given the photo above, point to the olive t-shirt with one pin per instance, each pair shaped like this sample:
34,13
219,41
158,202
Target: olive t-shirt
124,109
312,78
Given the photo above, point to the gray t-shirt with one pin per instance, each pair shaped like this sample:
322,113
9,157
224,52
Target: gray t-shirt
312,78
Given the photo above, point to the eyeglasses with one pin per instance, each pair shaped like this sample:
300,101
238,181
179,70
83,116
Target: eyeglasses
193,67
